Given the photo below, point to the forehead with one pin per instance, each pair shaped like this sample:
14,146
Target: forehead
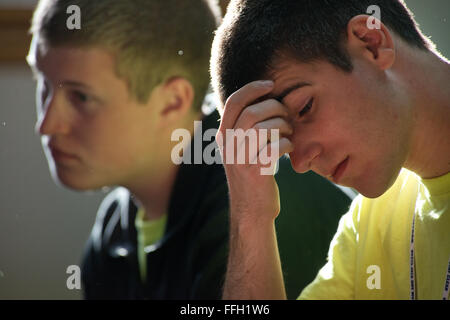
91,64
66,58
289,74
284,65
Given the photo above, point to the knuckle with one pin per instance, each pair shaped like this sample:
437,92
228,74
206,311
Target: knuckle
253,85
232,100
250,113
259,126
279,121
272,101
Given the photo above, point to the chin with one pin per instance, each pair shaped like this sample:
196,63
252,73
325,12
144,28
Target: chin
71,184
374,187
371,193
76,182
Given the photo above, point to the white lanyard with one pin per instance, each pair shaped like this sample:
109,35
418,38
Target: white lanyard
412,269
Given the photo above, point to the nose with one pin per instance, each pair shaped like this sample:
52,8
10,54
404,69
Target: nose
305,155
52,118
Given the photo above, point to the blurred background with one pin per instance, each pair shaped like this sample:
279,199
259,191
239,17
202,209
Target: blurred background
43,227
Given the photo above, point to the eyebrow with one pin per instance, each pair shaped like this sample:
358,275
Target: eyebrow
288,90
64,83
75,84
90,90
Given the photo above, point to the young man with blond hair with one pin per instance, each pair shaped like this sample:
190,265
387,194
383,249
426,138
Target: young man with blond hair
109,96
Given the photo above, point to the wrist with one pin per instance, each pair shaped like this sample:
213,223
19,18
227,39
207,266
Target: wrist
251,225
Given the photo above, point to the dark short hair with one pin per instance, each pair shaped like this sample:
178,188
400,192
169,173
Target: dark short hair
254,32
152,40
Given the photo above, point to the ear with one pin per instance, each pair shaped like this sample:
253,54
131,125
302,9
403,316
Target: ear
179,97
371,40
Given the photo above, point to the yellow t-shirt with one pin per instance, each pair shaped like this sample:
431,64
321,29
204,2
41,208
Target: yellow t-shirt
369,257
148,232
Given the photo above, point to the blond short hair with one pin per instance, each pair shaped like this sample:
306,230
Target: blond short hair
152,40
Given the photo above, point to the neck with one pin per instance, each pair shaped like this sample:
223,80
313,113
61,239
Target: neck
153,193
153,187
428,85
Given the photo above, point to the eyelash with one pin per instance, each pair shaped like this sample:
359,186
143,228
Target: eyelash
83,98
306,109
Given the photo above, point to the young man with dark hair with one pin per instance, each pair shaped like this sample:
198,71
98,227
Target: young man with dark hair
364,107
109,97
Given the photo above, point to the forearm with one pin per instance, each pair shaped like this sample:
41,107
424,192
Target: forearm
254,268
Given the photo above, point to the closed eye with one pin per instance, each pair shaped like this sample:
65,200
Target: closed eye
306,108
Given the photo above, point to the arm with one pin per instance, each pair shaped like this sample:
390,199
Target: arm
254,269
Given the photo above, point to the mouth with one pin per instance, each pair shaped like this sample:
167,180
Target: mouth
339,171
61,156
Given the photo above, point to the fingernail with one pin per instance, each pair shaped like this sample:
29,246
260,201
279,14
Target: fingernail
267,83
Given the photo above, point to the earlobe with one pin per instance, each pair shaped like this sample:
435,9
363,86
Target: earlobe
386,58
376,44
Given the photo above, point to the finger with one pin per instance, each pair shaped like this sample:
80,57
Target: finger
263,132
280,124
242,98
273,150
261,111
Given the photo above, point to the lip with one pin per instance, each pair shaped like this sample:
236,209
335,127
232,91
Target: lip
61,156
340,169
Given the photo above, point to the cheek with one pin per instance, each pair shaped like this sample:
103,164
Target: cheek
354,120
106,142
